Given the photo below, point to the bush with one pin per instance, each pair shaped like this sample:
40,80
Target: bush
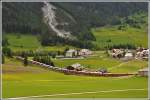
53,55
7,51
25,60
103,70
3,59
5,41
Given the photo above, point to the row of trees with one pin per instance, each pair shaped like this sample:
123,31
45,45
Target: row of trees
43,59
31,53
48,40
8,53
123,46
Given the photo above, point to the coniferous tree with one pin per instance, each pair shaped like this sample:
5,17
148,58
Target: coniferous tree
52,64
25,60
7,51
3,59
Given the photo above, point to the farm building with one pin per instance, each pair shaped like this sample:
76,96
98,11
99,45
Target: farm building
71,53
102,70
139,49
75,66
85,52
117,53
143,54
143,72
74,53
128,55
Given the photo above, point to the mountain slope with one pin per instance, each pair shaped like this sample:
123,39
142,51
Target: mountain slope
73,20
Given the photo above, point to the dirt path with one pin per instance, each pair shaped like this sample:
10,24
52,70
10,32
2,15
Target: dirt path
117,66
78,93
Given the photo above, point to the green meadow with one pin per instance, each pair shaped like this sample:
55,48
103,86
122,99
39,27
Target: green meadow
22,42
101,60
138,37
30,42
20,81
98,60
32,80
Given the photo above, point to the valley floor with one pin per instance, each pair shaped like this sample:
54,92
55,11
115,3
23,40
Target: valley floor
20,81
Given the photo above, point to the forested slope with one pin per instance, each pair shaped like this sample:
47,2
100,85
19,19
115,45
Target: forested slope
77,18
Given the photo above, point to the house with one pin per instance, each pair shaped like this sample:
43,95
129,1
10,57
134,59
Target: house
143,54
75,66
117,53
102,70
128,55
85,52
143,72
71,53
139,49
74,53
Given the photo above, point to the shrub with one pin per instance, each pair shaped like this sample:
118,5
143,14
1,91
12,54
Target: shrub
25,60
7,51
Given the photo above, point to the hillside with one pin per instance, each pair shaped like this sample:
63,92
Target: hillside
110,36
73,20
30,42
133,31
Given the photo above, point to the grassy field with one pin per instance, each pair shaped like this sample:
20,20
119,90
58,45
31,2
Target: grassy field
32,80
30,42
129,36
22,42
138,37
101,60
21,81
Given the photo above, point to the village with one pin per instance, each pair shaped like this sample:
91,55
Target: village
122,54
76,68
125,54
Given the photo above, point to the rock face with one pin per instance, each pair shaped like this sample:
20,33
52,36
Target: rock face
50,18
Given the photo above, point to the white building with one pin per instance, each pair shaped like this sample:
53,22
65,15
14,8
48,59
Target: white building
143,72
143,54
85,52
117,53
71,53
75,66
128,55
